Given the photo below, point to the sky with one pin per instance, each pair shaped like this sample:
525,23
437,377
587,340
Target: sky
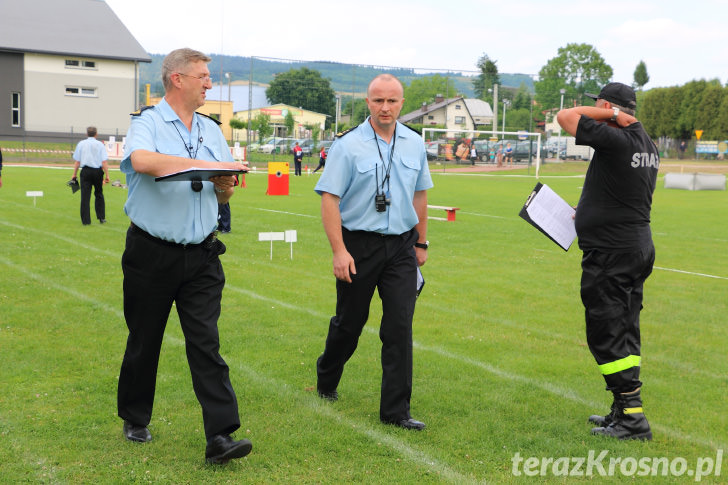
679,41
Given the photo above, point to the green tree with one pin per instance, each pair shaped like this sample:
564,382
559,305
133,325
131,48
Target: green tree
577,68
261,124
304,88
237,124
707,112
315,133
290,123
487,78
359,112
425,89
640,75
687,111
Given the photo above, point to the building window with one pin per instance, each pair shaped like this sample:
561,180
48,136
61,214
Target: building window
80,91
457,106
15,110
430,117
460,120
76,64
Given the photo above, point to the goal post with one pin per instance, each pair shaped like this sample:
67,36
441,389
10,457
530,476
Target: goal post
453,138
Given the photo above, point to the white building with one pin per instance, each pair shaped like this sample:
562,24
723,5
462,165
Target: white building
453,113
65,65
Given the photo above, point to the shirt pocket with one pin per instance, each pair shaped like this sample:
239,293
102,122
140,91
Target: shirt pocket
366,168
213,154
174,148
410,172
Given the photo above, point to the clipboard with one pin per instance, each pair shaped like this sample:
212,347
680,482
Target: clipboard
420,281
551,215
197,174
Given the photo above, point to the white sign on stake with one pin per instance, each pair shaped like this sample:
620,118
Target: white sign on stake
291,237
271,236
34,194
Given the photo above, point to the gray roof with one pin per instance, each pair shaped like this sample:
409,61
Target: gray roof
83,28
419,112
478,108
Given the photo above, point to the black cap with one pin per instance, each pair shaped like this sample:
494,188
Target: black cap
617,93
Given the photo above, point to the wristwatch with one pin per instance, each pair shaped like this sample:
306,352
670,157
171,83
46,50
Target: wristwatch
424,245
616,112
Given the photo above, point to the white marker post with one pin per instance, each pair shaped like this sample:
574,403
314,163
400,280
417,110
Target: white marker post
271,236
34,194
291,237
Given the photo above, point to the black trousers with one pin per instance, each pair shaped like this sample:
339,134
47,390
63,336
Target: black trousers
297,165
92,177
321,164
387,263
612,291
156,274
223,217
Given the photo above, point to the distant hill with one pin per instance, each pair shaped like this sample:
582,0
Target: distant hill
344,78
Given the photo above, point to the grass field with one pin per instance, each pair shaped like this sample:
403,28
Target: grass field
502,370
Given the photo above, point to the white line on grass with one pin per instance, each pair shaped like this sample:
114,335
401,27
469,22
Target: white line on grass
284,212
314,403
46,281
553,389
73,242
692,273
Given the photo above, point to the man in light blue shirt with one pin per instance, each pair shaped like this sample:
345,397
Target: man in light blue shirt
172,254
374,211
90,155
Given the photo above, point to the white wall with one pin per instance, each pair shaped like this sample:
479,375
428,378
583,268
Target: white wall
49,109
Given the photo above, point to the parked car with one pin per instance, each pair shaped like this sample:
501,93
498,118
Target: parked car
521,151
326,144
278,145
482,148
305,143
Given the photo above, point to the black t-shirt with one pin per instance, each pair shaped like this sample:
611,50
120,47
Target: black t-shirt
613,214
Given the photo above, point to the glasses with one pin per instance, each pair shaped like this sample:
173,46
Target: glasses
205,79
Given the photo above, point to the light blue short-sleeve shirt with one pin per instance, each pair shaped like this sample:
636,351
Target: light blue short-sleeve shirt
355,172
172,210
90,153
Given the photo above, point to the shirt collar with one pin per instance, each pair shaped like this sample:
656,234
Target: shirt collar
368,130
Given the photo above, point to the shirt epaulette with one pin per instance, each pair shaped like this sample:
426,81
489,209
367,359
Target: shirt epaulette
407,126
208,116
342,133
141,110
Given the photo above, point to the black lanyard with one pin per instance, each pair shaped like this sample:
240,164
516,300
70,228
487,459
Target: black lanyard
192,153
385,168
196,185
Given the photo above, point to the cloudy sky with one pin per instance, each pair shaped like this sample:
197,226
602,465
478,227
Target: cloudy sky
678,40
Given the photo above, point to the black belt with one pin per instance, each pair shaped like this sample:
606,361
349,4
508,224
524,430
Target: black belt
372,233
207,243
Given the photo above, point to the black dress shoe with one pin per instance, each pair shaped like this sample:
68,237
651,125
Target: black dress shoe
222,448
329,395
132,432
408,423
102,221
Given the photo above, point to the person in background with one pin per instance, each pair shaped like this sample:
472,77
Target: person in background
90,155
374,213
172,257
322,159
297,158
613,225
509,154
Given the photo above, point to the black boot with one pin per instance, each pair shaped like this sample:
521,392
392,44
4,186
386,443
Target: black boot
603,421
629,421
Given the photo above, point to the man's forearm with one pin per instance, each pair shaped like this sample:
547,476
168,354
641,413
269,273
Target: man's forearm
331,219
158,164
